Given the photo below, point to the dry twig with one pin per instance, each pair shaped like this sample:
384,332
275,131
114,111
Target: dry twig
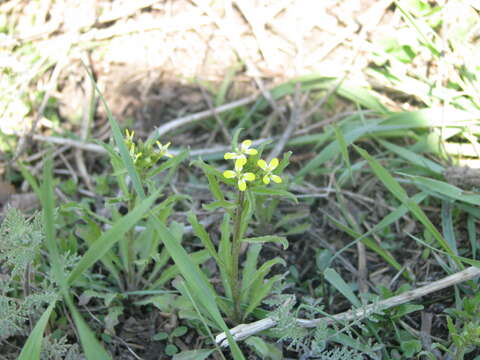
189,119
243,331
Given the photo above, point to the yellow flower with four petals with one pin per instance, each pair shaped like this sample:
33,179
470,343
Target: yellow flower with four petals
237,173
240,154
268,170
163,149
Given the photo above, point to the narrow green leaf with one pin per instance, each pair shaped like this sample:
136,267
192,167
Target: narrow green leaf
395,188
249,268
202,234
268,238
274,192
27,175
90,233
336,280
117,135
214,205
48,204
386,221
333,149
414,23
199,354
262,271
343,148
399,121
263,349
447,225
298,229
472,234
33,346
195,279
208,169
198,257
259,292
224,252
299,215
471,262
444,189
91,347
100,247
370,243
413,158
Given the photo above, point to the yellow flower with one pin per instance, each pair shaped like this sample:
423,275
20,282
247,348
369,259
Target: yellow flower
239,154
163,149
129,135
237,173
268,170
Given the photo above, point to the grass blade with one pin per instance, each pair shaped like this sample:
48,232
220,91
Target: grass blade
395,188
447,225
336,280
413,157
370,243
444,190
93,349
268,238
33,346
196,281
122,147
100,247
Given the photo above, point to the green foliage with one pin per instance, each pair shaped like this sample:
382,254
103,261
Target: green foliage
19,254
128,250
465,332
21,241
315,342
244,289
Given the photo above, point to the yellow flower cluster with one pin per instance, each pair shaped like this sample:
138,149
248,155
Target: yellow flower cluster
240,157
142,153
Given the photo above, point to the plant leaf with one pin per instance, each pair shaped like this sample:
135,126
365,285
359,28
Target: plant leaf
268,238
33,346
105,242
336,280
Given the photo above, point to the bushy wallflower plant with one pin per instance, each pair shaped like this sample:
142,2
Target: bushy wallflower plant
145,154
138,262
252,180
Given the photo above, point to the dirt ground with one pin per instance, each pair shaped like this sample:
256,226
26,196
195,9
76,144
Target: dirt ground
158,60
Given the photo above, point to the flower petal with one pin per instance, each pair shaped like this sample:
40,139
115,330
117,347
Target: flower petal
266,179
242,185
249,176
246,144
273,164
251,152
239,163
230,155
229,174
276,179
262,164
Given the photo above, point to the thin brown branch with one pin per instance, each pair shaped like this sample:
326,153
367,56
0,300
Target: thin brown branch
243,331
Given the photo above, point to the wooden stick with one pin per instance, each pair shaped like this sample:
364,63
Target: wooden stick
243,331
189,119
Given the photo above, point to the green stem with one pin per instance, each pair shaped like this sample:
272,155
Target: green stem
130,258
235,281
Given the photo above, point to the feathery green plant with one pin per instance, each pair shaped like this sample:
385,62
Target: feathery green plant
20,245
